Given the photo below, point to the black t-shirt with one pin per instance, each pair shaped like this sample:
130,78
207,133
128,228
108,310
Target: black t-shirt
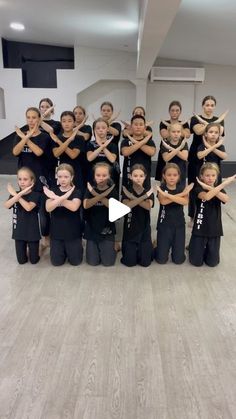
138,220
197,139
92,146
86,129
137,157
207,220
176,159
56,125
116,138
77,143
211,157
65,224
163,126
25,224
98,226
36,163
173,213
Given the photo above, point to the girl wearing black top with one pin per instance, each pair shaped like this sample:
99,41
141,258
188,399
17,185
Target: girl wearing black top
25,226
175,150
137,242
198,125
138,110
212,148
99,231
175,109
171,222
85,130
68,147
31,145
63,204
138,148
207,230
101,149
114,132
46,108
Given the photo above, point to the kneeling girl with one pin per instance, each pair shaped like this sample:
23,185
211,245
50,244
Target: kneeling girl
63,203
137,243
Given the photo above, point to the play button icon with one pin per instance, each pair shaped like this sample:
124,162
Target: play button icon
116,209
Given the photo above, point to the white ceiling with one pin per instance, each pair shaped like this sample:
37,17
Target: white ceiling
202,30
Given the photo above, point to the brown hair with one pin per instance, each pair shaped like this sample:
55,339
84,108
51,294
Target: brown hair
107,104
170,166
209,97
46,99
212,124
139,107
80,107
34,109
99,120
102,164
138,166
175,103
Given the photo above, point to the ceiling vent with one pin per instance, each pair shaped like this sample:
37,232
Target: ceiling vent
182,74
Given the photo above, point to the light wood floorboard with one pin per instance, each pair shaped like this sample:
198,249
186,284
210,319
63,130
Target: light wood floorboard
118,343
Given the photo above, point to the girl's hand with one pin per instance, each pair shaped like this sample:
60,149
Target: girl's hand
114,117
188,188
203,185
90,188
182,144
149,123
107,142
206,144
19,132
201,120
26,190
127,193
222,116
11,190
49,194
230,180
48,111
54,137
133,141
150,192
167,146
126,124
219,143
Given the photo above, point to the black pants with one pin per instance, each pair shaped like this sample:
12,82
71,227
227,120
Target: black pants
100,252
60,250
44,217
170,238
204,249
137,253
21,251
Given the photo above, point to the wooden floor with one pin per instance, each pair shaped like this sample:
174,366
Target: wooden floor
118,343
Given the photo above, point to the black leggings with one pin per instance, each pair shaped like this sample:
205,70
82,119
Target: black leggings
21,251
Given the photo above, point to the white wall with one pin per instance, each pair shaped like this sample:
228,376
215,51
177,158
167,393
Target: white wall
91,66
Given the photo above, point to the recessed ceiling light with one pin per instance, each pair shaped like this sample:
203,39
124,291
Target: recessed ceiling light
17,26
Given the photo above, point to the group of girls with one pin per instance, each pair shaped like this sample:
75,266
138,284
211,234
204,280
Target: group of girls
74,203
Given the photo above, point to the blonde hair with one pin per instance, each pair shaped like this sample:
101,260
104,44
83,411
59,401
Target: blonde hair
68,168
174,125
29,171
209,166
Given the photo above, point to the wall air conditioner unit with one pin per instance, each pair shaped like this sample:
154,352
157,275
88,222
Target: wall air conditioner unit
182,74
